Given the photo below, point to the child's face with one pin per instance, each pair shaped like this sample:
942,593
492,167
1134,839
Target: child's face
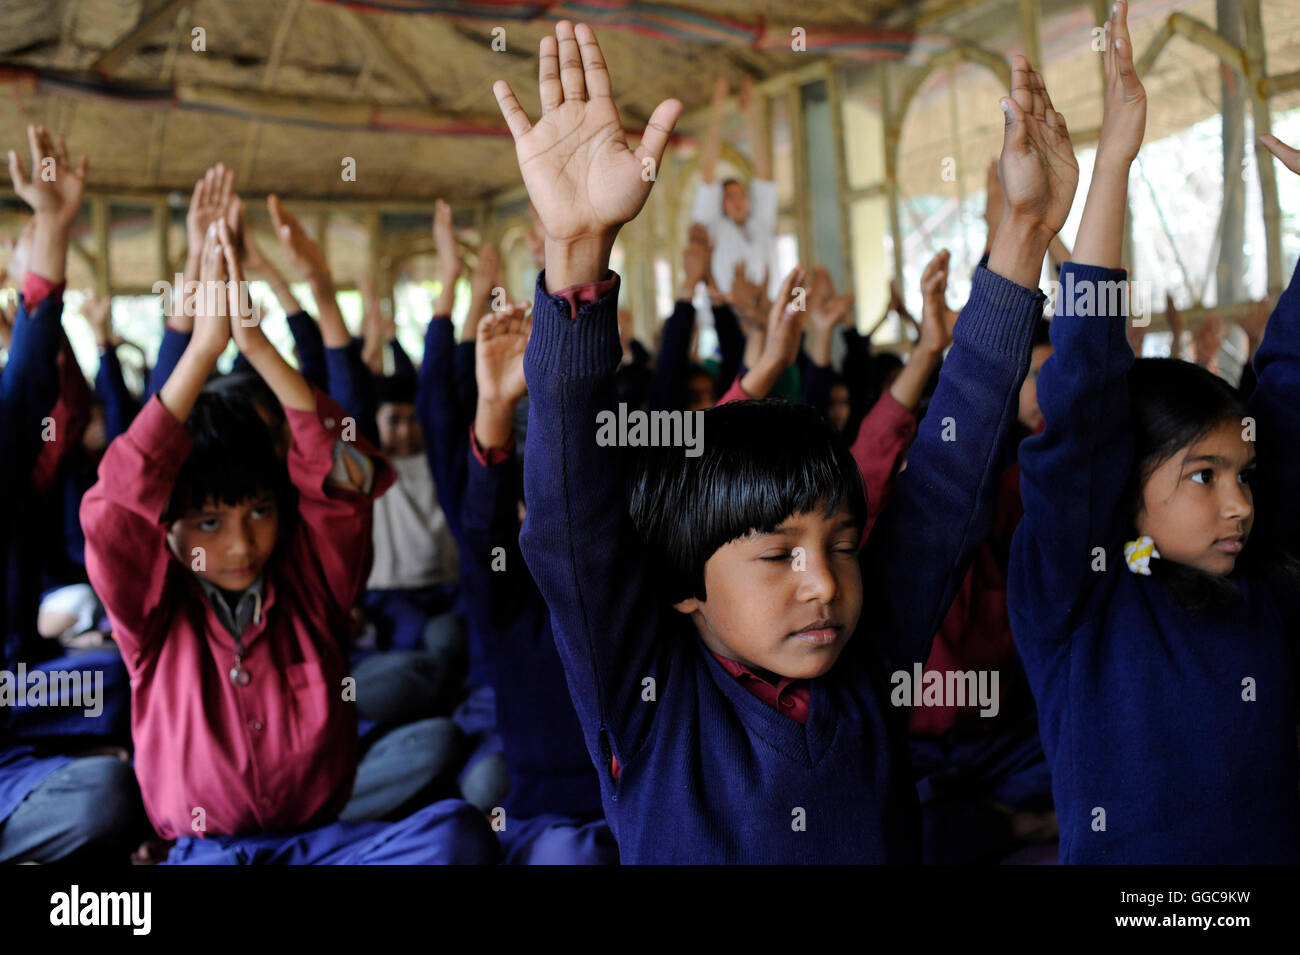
785,602
1197,506
399,430
227,545
1030,416
700,393
735,202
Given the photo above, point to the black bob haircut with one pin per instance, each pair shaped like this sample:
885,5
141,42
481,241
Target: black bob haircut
233,457
248,384
761,462
1172,404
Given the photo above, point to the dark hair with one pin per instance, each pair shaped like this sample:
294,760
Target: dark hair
730,182
247,384
233,457
761,461
1173,404
394,389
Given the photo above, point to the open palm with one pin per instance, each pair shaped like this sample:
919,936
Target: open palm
582,176
499,354
1038,169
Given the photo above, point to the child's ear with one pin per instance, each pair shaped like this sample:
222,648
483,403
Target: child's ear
688,606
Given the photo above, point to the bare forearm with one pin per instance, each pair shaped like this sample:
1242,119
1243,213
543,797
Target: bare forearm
332,329
910,383
819,346
183,385
290,388
493,423
1018,250
50,248
181,320
281,289
1101,230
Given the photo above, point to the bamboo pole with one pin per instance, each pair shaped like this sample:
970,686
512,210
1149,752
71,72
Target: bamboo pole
99,224
1259,96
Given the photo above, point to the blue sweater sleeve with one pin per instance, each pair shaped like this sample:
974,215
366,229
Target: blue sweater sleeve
351,387
310,347
29,387
443,420
667,388
1275,406
402,364
463,378
1072,475
942,507
577,538
119,407
169,353
489,519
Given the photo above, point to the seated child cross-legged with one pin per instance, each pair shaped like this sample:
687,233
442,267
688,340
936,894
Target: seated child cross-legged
230,618
1152,598
711,641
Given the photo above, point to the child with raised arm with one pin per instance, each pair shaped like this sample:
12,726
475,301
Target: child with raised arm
710,641
53,805
740,217
1153,611
244,730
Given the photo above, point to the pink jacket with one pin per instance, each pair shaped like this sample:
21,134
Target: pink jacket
214,758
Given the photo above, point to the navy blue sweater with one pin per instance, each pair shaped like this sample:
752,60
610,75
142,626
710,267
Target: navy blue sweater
29,387
711,774
511,627
1140,701
550,771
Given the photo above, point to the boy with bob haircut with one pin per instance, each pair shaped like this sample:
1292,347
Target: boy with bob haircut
750,722
231,618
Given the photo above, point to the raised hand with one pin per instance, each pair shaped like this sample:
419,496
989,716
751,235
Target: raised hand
749,301
57,196
212,311
697,260
937,319
581,175
499,354
1285,154
825,308
1124,117
785,325
304,252
1037,168
444,240
208,203
98,315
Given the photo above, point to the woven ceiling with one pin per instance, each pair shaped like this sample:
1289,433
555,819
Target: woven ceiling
285,89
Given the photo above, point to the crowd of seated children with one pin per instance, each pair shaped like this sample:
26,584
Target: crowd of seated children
359,608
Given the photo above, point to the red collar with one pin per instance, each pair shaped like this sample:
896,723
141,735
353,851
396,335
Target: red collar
789,697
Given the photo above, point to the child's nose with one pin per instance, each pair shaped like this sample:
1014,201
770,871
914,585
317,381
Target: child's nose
1238,505
817,580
